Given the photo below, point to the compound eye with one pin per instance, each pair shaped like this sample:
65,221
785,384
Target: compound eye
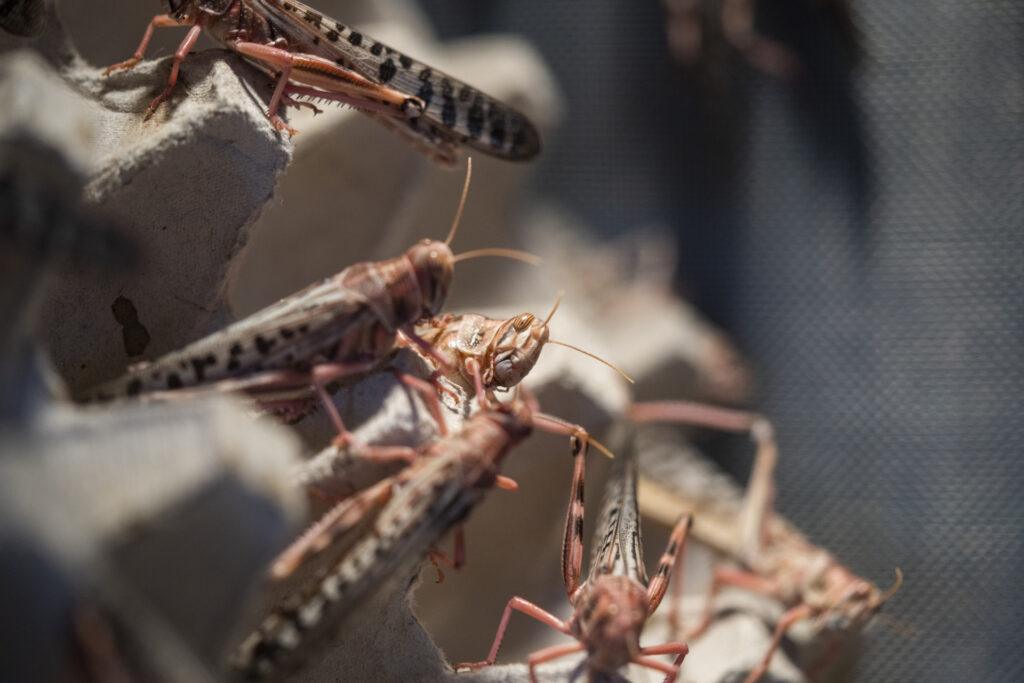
505,372
522,322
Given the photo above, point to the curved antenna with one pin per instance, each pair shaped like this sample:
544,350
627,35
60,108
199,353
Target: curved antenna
462,202
514,254
558,302
596,357
893,588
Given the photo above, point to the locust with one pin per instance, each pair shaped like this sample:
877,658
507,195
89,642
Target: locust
487,354
314,57
408,514
778,560
345,325
611,607
482,355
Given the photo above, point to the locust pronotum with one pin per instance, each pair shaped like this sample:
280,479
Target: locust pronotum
343,326
315,57
410,513
780,561
611,607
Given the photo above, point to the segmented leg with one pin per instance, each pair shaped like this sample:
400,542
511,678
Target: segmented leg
798,613
673,552
159,21
550,654
429,395
529,609
458,559
730,577
179,56
671,671
329,81
572,540
335,522
321,376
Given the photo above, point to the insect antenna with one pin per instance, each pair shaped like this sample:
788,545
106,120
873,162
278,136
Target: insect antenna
462,202
893,588
514,254
558,302
596,357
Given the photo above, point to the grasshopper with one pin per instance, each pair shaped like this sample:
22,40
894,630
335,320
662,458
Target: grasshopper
486,354
611,607
483,355
780,561
414,510
343,326
315,57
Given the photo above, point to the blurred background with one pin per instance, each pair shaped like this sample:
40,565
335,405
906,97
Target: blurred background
857,230
845,183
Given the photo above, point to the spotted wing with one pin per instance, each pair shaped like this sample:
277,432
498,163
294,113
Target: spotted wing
290,334
456,113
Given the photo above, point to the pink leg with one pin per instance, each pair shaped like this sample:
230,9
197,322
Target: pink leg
458,559
159,21
322,375
429,396
794,615
530,610
179,56
670,670
677,541
549,654
730,577
572,540
335,522
699,414
483,399
409,335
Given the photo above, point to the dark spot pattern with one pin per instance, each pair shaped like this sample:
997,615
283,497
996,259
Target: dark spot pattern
387,70
377,49
406,62
475,118
333,36
355,38
314,18
264,345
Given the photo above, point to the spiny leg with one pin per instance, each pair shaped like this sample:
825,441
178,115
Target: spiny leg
159,21
179,56
673,553
549,654
529,609
334,522
331,81
798,613
572,540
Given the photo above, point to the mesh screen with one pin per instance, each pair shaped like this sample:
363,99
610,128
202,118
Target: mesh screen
858,234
